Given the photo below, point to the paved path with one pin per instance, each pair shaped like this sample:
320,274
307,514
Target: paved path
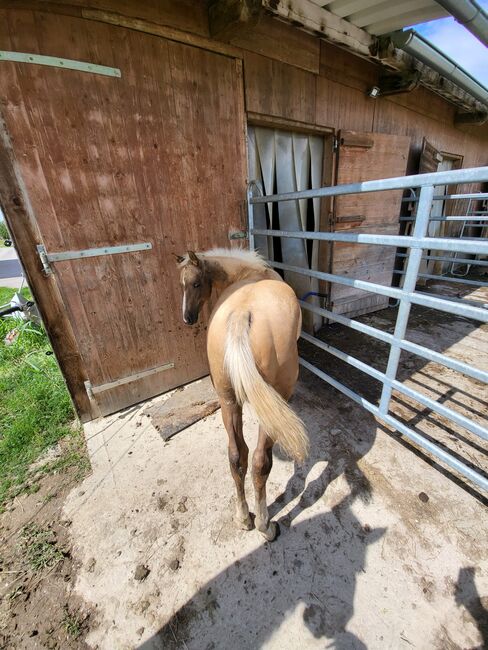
10,268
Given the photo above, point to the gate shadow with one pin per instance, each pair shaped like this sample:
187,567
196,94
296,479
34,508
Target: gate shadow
438,331
309,574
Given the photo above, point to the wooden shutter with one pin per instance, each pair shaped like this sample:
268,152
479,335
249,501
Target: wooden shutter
433,160
362,157
429,158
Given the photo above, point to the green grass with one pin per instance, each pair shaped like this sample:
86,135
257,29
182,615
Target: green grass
72,623
39,547
35,408
4,234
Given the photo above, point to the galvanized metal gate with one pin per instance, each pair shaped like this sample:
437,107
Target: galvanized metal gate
417,244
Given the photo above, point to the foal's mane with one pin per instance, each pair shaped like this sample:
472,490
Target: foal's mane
250,259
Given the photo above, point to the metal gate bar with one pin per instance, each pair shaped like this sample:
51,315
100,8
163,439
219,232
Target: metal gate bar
409,346
446,278
417,244
440,258
425,300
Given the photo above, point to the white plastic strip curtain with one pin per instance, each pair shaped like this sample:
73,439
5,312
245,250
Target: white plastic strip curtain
289,162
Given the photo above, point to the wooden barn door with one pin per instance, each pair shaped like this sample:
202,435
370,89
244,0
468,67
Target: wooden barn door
363,157
156,156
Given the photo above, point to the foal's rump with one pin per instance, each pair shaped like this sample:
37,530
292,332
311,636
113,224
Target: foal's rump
253,334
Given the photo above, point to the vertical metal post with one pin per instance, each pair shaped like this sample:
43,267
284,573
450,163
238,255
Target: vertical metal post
250,216
411,274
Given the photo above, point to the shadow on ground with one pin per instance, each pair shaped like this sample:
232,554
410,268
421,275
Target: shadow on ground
467,596
310,571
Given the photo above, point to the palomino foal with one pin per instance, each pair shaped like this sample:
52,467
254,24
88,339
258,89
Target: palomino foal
253,357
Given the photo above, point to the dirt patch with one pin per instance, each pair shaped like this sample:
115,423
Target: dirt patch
37,572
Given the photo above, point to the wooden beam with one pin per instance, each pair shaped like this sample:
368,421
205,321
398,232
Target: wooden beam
171,33
476,118
319,21
136,24
230,18
274,122
394,83
25,234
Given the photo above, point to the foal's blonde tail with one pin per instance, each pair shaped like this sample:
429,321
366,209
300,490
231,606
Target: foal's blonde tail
275,416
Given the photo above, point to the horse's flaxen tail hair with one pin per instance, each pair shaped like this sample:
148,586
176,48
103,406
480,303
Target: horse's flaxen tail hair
275,416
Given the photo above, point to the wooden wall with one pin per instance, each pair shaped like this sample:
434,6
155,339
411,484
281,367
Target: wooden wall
336,97
294,76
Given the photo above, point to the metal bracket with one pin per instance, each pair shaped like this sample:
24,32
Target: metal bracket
238,234
56,62
44,261
47,258
101,388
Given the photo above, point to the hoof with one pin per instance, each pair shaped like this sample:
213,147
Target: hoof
244,524
272,532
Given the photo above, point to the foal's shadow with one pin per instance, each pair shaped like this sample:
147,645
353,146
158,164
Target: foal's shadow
308,576
336,443
467,595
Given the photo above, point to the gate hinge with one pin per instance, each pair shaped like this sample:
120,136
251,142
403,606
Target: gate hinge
46,267
63,256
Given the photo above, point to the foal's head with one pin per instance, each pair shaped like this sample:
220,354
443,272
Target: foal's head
197,285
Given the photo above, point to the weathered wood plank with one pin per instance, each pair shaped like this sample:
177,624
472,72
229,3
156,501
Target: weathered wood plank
342,107
282,42
321,22
164,31
185,15
346,68
273,88
183,408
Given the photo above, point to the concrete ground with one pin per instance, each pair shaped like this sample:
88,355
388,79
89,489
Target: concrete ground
10,268
379,547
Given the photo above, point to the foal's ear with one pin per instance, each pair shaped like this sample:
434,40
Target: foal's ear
179,258
193,258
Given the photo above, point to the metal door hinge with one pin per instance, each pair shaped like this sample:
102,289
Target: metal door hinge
101,388
57,62
63,256
335,144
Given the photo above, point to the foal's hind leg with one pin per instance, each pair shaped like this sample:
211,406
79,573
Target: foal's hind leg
238,454
262,462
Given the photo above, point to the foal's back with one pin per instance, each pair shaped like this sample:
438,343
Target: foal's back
274,319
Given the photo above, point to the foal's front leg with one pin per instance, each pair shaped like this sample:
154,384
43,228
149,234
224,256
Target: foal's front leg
238,455
262,461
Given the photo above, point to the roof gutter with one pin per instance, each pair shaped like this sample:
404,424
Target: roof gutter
416,46
470,15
